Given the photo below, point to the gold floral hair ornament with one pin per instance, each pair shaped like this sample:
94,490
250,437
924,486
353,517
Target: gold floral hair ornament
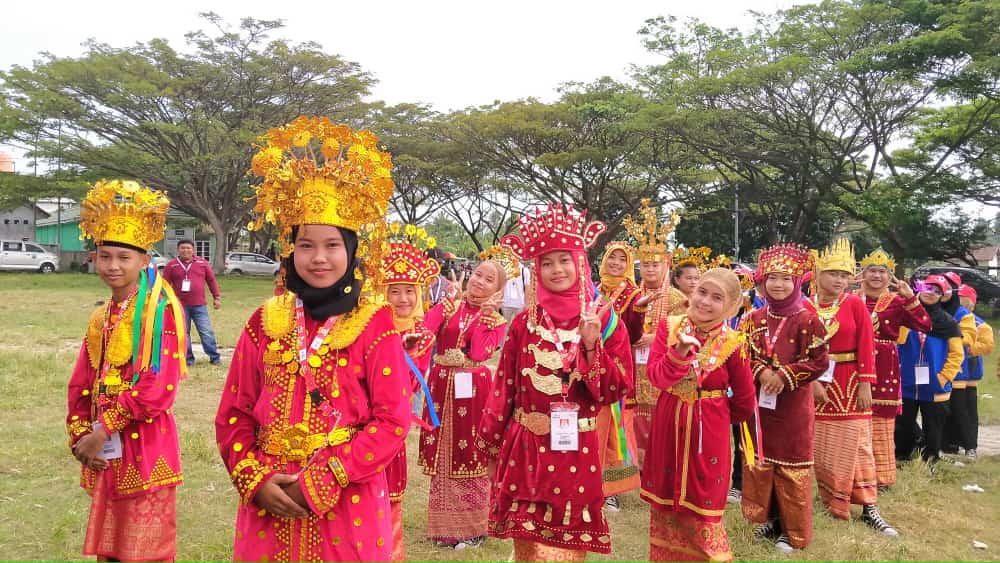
125,212
879,257
720,261
505,257
697,256
838,256
651,236
317,172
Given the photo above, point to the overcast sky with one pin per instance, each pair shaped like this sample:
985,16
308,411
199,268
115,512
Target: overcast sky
448,54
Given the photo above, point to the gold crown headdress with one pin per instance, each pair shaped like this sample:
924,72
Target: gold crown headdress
698,257
650,236
879,257
407,261
838,256
125,212
505,257
317,172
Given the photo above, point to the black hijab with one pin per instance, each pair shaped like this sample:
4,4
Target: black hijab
323,303
943,324
951,306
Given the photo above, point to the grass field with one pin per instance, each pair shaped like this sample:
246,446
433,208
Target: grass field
43,512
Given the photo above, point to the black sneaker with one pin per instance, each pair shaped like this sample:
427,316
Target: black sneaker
873,518
612,504
784,544
734,496
767,530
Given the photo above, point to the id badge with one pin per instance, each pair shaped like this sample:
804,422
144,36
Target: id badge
186,285
642,355
767,400
112,448
563,430
827,376
923,374
463,385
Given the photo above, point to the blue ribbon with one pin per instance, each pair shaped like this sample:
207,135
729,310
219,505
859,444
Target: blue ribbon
423,385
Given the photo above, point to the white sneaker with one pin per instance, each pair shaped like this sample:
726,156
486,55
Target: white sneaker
873,518
734,496
612,504
783,544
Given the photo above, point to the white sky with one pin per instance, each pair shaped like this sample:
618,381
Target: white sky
449,54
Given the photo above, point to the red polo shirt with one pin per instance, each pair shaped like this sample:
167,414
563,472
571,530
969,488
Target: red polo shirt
198,271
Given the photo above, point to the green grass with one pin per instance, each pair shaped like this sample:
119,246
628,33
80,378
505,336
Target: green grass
43,512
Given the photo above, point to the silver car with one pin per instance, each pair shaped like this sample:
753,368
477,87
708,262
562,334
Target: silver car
26,255
250,263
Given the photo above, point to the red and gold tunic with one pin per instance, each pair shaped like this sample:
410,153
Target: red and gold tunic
267,424
622,297
551,497
674,303
888,314
141,413
688,470
466,338
395,472
799,356
852,347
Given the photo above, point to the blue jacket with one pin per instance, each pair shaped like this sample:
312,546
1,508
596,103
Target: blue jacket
944,358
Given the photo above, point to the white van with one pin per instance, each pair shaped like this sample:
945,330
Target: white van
27,255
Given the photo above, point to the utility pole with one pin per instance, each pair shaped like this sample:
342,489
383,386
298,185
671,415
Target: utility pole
736,223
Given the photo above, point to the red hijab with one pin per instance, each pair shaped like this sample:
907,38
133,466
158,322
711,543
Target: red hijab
565,306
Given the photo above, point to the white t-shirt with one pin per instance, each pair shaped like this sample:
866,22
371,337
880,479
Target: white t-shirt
513,294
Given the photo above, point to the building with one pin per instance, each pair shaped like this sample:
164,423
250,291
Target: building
988,259
19,223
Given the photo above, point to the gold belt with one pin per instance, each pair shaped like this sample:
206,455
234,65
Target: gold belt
455,358
295,443
687,390
843,357
538,423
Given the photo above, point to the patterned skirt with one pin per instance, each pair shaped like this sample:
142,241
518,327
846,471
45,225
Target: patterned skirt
458,509
845,465
682,536
527,550
139,528
884,448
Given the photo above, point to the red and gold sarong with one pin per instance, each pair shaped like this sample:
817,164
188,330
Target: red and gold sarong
683,536
139,528
884,448
845,465
527,550
784,491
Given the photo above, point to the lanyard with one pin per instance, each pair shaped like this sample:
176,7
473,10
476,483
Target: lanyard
923,339
187,269
771,341
106,333
566,355
713,358
309,360
465,325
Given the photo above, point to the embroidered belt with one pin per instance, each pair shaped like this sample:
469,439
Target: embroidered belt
844,357
885,341
687,390
455,358
538,423
295,443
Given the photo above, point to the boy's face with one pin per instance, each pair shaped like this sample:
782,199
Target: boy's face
120,267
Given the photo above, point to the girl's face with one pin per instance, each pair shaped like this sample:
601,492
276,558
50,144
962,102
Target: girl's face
320,255
484,281
616,263
557,271
708,303
834,282
403,298
779,286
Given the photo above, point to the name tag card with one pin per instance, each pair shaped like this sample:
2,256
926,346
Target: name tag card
642,355
923,374
463,385
112,448
186,285
827,376
767,400
564,431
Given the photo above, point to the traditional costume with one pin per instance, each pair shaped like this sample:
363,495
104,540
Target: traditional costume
406,263
125,380
685,478
318,388
651,237
541,419
459,383
790,341
889,313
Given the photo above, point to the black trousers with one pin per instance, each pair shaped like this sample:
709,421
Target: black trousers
962,426
933,416
737,459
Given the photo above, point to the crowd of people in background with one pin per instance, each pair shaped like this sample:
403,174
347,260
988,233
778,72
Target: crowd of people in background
538,392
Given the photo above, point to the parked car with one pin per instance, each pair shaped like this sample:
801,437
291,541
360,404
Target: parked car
250,263
987,287
158,260
27,255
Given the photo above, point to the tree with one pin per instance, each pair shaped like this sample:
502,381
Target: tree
182,122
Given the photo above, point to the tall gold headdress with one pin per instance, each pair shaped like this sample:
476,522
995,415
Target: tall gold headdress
124,212
651,236
317,172
698,256
838,256
505,257
879,257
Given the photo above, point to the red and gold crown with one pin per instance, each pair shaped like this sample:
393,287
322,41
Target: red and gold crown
651,236
407,261
792,259
505,257
123,211
550,229
879,257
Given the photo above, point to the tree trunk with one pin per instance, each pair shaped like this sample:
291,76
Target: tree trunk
219,227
